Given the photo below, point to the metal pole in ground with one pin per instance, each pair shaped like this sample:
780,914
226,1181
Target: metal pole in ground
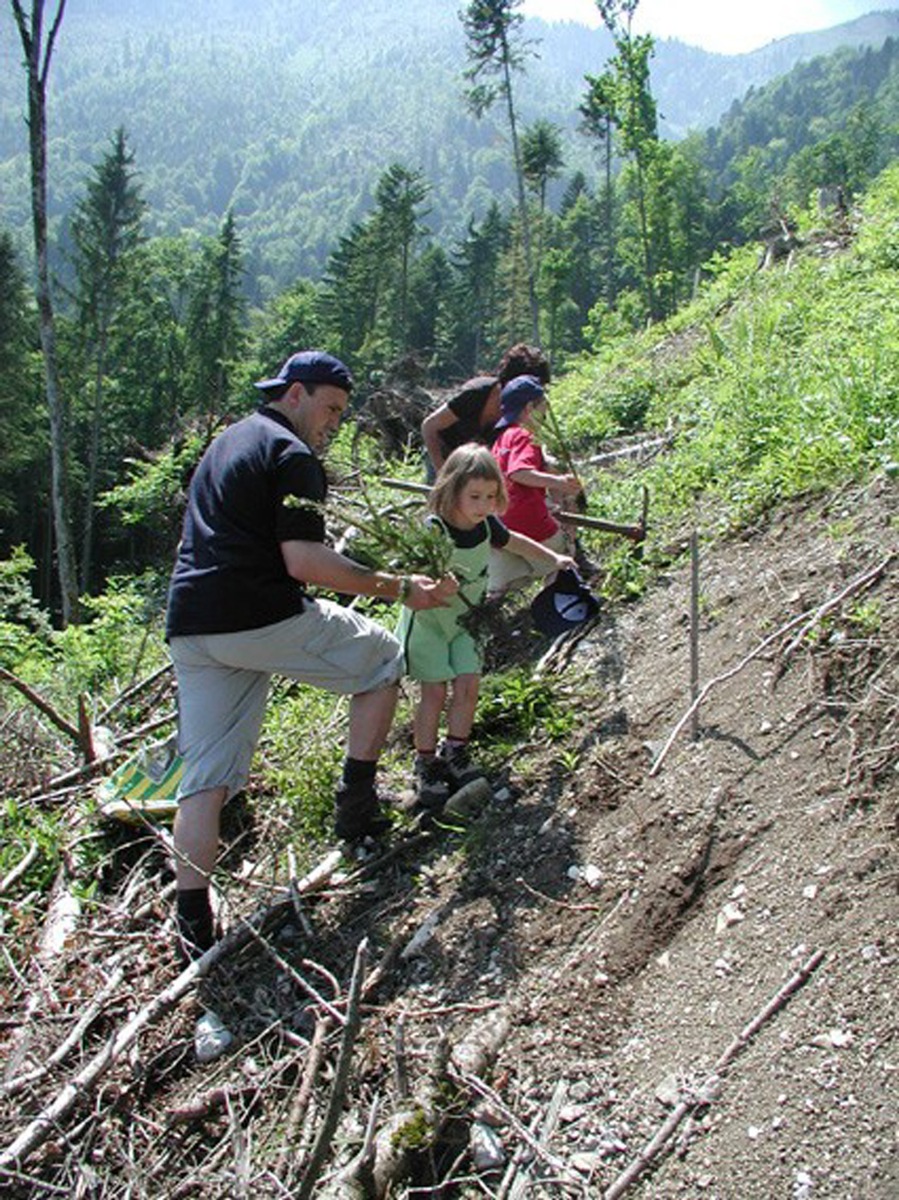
694,632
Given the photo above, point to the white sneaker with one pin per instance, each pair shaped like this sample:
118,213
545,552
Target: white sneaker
211,1037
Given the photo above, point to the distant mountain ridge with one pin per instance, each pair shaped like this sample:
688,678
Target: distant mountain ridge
695,87
289,118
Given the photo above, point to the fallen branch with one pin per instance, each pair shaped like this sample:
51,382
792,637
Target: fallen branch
128,694
20,868
593,908
857,585
521,1131
71,731
516,1180
303,984
298,1108
709,1089
341,1077
13,1086
44,1124
200,1107
649,447
764,645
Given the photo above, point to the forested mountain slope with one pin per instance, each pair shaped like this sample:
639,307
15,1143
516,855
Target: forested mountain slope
287,112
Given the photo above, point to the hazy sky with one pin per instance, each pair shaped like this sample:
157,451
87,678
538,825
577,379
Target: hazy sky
729,27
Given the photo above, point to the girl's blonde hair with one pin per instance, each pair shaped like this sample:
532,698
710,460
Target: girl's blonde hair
467,462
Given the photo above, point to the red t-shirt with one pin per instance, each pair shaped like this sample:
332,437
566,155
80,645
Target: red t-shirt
516,450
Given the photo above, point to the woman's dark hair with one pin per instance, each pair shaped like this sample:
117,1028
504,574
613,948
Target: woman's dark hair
522,359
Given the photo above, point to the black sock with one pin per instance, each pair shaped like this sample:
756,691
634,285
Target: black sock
194,921
358,774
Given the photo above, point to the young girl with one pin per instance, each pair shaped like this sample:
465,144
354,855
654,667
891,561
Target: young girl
527,480
440,654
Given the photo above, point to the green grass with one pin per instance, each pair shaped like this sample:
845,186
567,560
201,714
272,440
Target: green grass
774,383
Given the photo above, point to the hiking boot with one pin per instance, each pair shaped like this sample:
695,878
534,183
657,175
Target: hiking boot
432,786
460,770
358,815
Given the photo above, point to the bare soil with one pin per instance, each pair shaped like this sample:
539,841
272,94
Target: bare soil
607,933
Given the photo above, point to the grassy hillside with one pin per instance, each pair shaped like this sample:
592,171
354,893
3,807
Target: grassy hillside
771,383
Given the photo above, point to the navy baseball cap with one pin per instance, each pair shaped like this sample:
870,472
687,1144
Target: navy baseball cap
563,605
516,395
309,366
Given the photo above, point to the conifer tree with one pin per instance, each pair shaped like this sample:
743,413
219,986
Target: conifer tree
23,500
541,157
216,321
400,194
106,230
476,262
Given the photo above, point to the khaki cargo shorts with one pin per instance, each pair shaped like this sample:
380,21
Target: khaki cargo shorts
223,681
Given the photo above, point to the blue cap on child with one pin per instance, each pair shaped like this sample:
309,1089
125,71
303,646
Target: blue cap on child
516,396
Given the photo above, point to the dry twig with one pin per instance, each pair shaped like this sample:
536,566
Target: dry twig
805,619
709,1089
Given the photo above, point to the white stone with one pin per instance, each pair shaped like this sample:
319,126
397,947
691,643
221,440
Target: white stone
729,915
592,876
487,1152
668,1091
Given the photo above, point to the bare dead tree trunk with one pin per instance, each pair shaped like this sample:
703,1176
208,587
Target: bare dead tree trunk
38,53
522,203
87,546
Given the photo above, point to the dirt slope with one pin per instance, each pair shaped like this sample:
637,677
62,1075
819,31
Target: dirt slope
614,929
705,887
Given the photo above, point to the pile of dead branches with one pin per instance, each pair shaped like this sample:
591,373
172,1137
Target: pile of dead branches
337,1087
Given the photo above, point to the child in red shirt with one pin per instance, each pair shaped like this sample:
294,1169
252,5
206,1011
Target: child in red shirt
527,479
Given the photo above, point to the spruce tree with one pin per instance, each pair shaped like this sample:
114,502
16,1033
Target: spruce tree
106,230
216,324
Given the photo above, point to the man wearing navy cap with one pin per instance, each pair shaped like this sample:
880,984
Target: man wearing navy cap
239,611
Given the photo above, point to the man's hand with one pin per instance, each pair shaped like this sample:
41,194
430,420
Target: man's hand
425,592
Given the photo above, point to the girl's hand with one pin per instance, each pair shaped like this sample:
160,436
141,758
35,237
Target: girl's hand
425,592
565,562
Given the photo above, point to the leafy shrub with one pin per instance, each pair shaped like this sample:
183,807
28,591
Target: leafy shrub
121,637
513,705
25,628
301,753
